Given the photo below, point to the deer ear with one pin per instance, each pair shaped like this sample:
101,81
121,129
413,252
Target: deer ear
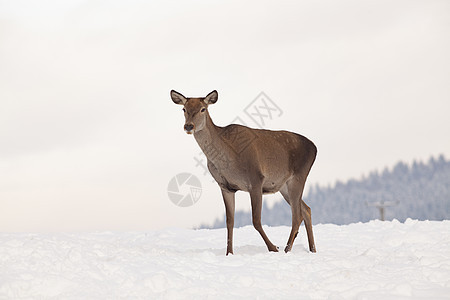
177,98
211,98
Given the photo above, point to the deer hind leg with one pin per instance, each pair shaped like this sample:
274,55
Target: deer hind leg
292,192
289,192
300,212
256,200
306,214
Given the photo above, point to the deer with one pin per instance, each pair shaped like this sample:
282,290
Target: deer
257,161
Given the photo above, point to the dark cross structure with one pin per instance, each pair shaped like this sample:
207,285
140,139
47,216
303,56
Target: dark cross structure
381,205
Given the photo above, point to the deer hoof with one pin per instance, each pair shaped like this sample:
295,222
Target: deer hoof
274,249
288,248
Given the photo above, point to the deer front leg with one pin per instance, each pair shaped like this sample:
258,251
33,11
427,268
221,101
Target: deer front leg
256,199
229,200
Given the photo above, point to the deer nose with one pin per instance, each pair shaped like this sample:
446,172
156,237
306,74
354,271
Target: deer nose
188,127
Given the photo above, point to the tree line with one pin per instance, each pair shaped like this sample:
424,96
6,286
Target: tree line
420,191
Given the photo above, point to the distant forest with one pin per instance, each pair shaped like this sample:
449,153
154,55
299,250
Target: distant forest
418,191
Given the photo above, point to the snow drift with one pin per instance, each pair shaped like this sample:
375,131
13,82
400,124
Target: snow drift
375,260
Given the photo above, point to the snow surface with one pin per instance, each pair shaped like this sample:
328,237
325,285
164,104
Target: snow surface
375,260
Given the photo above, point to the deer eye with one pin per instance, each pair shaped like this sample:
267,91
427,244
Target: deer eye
203,109
184,110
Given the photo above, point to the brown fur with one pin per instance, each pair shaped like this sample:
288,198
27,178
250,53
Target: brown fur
257,161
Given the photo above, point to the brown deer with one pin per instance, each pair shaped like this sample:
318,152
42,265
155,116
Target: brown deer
257,161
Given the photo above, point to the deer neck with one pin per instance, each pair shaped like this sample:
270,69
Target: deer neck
212,144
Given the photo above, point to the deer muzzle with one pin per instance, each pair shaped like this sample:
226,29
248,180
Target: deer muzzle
189,128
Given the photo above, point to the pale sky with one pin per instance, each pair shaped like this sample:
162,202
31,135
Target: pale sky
89,138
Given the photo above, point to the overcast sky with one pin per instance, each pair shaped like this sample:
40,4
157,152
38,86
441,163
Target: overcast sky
89,138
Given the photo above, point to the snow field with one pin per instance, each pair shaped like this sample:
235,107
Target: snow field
375,260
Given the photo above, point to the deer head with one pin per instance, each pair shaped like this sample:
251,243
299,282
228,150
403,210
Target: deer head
195,110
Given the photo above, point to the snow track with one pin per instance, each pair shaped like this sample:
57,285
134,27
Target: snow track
375,260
